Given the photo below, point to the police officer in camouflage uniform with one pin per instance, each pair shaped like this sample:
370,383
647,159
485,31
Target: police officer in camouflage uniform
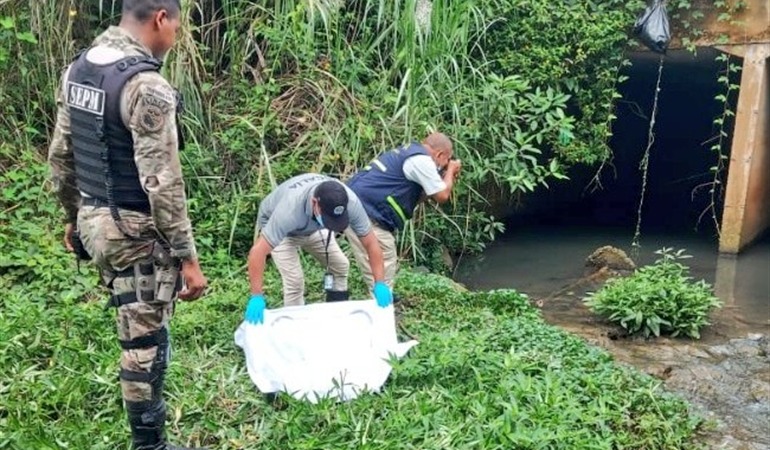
116,170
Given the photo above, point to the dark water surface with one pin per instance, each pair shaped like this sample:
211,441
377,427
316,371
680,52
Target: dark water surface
541,260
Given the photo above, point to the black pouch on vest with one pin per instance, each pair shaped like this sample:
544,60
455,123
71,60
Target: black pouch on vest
80,250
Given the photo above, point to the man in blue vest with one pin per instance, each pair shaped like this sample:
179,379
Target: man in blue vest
391,187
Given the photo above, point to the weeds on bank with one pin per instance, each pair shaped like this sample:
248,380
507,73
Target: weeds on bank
30,254
276,88
488,372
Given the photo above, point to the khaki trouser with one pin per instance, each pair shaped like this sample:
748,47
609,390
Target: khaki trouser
286,259
389,254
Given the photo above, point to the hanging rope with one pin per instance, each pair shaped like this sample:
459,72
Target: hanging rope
644,164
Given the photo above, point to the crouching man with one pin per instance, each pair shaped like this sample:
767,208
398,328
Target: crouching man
305,212
391,187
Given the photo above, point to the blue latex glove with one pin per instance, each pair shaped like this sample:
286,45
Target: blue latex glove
382,294
255,310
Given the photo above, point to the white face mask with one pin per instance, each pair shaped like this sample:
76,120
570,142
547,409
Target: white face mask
317,214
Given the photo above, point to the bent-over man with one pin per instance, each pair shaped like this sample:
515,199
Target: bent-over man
304,212
391,187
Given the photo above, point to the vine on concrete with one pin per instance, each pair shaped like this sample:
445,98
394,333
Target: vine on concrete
688,22
716,189
716,185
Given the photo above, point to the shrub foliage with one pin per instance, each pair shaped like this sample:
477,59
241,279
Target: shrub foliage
660,298
525,88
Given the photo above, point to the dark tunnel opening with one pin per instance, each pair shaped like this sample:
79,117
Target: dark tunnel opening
551,233
677,191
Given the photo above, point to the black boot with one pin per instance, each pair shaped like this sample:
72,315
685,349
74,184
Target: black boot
337,296
148,421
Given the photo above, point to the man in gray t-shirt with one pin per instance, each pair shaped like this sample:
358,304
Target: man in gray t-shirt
304,212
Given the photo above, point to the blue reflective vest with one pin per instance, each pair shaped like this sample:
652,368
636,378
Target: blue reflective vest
387,195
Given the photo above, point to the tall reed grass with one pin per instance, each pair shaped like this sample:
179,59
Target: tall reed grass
284,86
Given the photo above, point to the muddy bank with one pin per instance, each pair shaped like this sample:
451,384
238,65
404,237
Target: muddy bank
725,375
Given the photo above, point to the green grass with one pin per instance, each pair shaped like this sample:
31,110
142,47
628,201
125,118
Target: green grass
488,374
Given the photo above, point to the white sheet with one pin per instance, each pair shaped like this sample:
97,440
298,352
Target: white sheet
336,350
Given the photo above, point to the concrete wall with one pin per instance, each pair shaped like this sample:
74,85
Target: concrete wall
746,212
757,216
750,25
747,200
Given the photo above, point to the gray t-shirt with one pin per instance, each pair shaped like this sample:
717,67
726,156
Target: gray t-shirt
288,210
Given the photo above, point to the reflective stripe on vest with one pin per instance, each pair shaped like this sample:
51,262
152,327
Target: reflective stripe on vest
387,195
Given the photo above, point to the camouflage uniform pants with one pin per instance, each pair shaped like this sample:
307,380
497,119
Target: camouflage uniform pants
129,270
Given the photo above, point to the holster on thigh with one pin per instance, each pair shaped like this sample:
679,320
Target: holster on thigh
152,283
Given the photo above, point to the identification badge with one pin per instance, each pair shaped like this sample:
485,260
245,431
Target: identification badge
85,98
328,281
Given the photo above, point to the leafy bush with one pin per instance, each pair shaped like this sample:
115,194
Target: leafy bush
572,47
658,298
30,232
525,88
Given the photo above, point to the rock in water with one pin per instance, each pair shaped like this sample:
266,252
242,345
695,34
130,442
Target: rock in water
610,257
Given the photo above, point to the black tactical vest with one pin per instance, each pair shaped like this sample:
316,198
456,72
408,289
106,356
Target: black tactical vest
102,145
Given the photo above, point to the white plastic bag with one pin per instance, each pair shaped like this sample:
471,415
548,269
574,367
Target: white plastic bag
335,350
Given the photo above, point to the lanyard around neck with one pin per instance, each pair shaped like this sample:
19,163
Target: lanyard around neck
326,246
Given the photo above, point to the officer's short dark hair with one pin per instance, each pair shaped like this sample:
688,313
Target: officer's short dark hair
144,9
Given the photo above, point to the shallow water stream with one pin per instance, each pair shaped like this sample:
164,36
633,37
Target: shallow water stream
725,374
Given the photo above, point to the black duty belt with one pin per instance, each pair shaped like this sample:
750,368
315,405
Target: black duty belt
99,203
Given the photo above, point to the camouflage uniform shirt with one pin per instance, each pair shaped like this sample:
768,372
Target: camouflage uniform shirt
148,110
